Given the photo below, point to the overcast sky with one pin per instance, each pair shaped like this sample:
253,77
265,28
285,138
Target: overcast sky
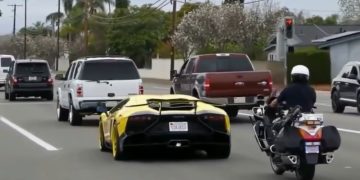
39,9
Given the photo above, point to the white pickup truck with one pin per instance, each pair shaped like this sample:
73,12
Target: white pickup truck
90,81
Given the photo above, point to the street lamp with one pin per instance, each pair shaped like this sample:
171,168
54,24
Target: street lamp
25,33
58,38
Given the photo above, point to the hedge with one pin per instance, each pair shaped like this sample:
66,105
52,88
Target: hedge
318,63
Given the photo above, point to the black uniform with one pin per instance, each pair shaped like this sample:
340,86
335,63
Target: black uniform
298,94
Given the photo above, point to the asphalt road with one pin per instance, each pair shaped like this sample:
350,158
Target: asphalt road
35,146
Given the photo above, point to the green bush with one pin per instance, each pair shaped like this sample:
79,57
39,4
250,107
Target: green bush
318,63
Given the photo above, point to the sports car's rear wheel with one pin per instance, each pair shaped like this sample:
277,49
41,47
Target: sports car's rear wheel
116,149
220,152
102,139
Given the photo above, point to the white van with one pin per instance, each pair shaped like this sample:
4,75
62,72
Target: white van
5,62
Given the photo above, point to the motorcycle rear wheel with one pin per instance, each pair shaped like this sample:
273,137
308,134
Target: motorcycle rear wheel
278,170
305,171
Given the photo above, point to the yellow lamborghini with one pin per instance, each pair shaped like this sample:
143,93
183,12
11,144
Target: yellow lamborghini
164,122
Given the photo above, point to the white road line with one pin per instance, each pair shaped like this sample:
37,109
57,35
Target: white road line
340,129
29,135
349,131
323,104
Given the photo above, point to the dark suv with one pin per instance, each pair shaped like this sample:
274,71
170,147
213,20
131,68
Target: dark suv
345,89
28,78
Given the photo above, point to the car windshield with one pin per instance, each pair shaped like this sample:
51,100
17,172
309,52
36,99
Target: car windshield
224,64
5,62
32,69
109,70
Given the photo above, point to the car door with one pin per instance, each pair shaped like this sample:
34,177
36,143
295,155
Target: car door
350,91
65,87
110,120
343,82
179,81
8,76
188,81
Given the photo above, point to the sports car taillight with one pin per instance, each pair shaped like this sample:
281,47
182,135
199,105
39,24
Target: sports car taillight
215,121
139,123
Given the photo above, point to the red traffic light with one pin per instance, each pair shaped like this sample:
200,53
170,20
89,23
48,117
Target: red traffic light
289,22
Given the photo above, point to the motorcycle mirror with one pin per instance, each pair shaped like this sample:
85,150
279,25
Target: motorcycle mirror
258,111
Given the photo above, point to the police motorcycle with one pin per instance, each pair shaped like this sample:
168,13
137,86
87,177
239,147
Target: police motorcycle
295,141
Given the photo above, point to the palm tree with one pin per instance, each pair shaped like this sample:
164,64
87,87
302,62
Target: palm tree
93,5
53,18
68,5
109,2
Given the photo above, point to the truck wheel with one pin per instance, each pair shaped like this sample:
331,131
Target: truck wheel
358,103
12,96
172,91
62,114
74,116
50,96
336,104
6,95
232,113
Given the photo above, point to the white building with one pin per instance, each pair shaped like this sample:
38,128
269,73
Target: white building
343,47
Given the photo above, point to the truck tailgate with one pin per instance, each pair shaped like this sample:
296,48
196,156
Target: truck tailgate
238,84
111,89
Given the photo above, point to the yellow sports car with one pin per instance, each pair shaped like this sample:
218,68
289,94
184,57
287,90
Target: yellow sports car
157,122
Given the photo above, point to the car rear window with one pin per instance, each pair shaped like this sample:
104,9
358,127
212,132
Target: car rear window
109,70
32,69
224,64
5,62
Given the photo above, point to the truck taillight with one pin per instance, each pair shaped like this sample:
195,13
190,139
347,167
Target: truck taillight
141,89
13,80
79,91
270,83
207,85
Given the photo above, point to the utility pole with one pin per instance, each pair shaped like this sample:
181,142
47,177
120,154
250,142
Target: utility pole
14,9
25,41
172,45
58,39
86,26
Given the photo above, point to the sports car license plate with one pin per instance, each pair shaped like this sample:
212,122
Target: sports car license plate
32,78
311,149
178,126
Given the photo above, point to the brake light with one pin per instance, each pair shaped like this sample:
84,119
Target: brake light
206,84
215,121
13,80
308,137
214,117
270,82
141,89
50,81
79,91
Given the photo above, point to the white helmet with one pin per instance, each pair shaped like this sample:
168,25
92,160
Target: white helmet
300,70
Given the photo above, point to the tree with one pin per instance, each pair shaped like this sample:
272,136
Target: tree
318,20
122,4
350,9
68,5
332,20
234,1
53,18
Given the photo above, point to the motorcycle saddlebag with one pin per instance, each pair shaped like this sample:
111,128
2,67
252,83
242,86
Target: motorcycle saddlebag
331,139
288,140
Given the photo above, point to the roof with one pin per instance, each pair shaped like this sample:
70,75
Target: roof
31,60
304,34
337,39
103,58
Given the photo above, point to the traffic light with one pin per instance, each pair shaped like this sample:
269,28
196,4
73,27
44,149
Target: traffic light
289,27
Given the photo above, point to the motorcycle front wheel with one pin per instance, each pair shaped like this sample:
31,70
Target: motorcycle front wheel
305,171
278,169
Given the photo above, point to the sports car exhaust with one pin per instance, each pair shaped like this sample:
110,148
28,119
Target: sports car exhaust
178,143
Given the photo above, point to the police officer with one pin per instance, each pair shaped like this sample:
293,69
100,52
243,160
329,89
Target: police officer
299,92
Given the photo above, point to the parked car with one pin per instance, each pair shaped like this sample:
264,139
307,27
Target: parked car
345,88
163,122
228,80
91,80
28,78
5,61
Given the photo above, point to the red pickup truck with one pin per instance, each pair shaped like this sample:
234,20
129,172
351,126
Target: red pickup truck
226,80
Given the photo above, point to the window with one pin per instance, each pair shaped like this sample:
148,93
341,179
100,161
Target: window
5,62
346,71
68,71
224,64
109,70
32,69
182,70
72,71
77,69
11,68
354,71
190,66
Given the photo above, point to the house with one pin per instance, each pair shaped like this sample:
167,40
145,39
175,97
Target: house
343,47
303,36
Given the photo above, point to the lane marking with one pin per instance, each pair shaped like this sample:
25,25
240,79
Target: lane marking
339,129
160,88
349,131
29,135
323,104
